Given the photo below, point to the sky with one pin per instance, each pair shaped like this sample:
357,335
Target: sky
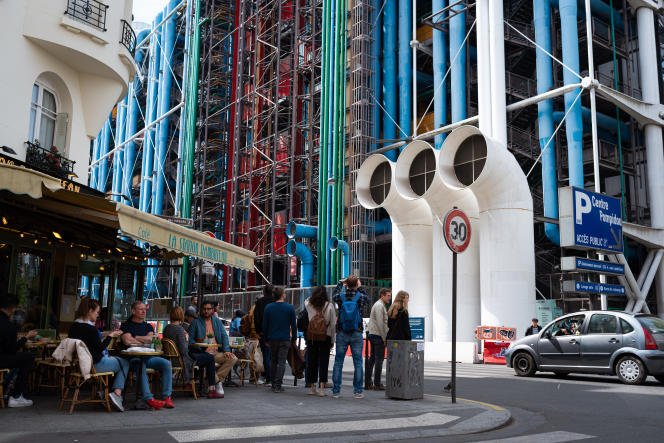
145,10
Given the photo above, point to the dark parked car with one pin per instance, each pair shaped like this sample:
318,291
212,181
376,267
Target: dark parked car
630,346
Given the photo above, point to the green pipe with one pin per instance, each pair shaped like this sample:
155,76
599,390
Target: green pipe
322,159
341,125
191,108
616,80
335,136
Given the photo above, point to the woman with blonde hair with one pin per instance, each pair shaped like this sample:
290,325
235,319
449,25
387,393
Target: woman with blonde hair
397,318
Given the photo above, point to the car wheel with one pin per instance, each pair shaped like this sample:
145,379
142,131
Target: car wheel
561,374
659,378
524,364
631,370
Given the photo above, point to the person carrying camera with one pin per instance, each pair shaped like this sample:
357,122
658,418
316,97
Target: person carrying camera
352,300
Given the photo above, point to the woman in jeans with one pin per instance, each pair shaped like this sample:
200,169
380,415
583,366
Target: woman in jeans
174,331
318,352
398,327
84,329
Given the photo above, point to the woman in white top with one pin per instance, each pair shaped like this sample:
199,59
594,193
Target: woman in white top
320,335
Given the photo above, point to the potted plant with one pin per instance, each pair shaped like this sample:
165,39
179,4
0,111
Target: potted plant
210,336
157,345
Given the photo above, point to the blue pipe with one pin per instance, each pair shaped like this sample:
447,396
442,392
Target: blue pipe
183,115
383,226
599,9
542,21
103,150
389,74
132,123
336,243
574,123
405,69
376,47
165,85
149,136
604,122
439,67
297,249
118,158
95,166
296,230
458,72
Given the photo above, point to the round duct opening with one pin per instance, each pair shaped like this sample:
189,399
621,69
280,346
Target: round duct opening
469,159
290,229
380,183
334,244
291,248
422,170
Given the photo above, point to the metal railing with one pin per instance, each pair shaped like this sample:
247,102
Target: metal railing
128,39
48,161
90,12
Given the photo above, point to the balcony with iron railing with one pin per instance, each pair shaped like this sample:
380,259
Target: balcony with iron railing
90,12
128,37
49,161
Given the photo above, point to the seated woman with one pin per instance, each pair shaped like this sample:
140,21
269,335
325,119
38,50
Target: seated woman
174,331
84,329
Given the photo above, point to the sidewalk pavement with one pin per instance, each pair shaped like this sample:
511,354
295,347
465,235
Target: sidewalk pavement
256,413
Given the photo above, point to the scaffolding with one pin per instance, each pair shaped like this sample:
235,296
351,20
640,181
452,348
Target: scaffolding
362,242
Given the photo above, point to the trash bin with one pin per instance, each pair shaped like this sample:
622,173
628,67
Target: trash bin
405,370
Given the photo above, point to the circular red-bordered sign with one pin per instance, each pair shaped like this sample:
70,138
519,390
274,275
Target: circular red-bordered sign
456,230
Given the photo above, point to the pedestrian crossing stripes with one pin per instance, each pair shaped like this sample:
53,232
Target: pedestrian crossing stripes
310,429
547,437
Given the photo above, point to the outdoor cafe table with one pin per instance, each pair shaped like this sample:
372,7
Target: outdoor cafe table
42,346
140,403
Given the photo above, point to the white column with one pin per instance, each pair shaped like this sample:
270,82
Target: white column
483,67
497,57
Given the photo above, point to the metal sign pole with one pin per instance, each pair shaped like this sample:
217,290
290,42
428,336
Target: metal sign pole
454,323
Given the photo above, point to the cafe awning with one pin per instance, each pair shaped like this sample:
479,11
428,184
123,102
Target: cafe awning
66,197
164,234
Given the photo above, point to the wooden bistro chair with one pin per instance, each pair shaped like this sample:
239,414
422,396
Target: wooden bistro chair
172,353
247,366
98,382
3,372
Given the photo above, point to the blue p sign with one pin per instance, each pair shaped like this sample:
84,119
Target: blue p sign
582,205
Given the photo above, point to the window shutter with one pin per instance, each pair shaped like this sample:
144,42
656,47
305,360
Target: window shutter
60,134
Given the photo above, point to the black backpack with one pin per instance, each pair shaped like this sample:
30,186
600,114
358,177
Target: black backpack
303,320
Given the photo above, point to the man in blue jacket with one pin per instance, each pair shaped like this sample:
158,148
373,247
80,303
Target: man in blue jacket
209,325
279,327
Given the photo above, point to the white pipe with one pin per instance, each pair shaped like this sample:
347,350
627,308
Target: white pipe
497,58
648,281
507,257
483,67
645,25
440,200
411,237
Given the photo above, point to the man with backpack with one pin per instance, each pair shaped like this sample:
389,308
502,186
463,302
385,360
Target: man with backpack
351,300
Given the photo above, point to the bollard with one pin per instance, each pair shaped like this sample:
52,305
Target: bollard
405,370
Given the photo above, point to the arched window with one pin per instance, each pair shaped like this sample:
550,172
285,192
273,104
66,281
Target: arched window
43,116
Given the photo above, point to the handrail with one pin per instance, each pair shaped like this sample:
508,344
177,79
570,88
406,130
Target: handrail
48,161
128,39
90,12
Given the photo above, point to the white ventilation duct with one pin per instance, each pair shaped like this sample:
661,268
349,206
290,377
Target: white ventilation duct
411,234
470,160
416,179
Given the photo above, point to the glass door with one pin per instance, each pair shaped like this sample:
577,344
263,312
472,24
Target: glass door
31,285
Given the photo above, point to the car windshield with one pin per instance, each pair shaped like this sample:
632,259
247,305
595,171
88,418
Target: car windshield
654,325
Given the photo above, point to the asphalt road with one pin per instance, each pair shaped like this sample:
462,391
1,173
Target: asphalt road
546,408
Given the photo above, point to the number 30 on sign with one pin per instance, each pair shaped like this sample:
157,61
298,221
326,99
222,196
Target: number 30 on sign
456,230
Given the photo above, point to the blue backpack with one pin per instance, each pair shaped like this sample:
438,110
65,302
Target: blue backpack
349,314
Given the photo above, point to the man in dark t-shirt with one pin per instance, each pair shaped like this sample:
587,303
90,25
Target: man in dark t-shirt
137,332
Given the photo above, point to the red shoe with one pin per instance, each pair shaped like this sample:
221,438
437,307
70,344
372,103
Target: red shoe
214,394
168,403
155,404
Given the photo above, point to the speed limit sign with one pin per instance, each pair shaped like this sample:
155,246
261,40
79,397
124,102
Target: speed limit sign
456,229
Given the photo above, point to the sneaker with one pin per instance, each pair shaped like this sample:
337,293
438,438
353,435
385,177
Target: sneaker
155,404
19,402
312,390
168,403
336,394
116,400
358,395
322,393
220,388
214,394
278,389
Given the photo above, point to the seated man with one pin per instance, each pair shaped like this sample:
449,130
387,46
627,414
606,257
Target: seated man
137,332
209,325
9,355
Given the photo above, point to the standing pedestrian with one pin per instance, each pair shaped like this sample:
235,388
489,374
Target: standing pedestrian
351,299
259,309
534,327
377,328
280,330
320,335
398,327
